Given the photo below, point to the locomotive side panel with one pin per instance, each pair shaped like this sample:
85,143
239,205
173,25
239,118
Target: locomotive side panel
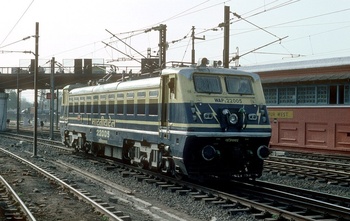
110,116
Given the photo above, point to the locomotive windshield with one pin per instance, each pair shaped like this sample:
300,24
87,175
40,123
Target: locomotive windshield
207,84
238,85
212,84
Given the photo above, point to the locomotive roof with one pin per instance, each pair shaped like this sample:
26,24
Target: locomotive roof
155,81
124,85
188,71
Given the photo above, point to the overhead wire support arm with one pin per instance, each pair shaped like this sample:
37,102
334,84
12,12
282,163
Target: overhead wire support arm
23,39
279,39
125,43
240,17
156,28
121,52
25,52
236,57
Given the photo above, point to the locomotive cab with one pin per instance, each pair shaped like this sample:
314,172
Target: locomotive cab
216,122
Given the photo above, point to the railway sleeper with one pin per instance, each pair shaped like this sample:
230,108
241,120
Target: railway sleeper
262,215
238,210
315,217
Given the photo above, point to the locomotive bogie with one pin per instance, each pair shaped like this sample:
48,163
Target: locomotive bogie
144,154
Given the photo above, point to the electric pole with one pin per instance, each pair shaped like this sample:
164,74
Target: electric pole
193,51
52,97
35,134
226,52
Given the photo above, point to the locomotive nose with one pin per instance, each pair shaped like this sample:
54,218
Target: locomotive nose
263,152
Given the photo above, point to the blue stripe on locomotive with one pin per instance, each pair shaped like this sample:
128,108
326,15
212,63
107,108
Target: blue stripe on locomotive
182,114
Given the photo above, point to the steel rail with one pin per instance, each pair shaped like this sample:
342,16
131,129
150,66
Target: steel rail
24,208
269,164
314,204
100,208
307,162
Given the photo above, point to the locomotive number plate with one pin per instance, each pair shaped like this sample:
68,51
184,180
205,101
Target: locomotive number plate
228,100
102,133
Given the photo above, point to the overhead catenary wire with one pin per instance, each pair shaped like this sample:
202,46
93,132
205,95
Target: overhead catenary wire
121,52
23,39
187,12
255,49
263,29
200,7
16,23
134,33
283,4
125,43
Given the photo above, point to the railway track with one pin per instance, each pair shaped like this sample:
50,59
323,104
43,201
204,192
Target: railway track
327,198
279,202
117,194
108,212
268,201
258,199
317,156
11,205
328,165
330,172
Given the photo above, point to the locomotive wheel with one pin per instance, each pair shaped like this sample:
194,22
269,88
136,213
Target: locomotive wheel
177,175
75,148
87,147
143,163
96,149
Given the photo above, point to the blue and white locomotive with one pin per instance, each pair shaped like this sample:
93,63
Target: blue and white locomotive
199,121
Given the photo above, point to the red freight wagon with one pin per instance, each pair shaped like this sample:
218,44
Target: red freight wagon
308,128
308,104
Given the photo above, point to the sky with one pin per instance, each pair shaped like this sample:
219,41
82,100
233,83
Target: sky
261,31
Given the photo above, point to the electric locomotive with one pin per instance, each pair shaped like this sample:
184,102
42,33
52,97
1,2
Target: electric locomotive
198,121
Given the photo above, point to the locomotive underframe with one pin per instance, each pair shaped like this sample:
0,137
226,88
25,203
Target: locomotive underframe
230,157
154,156
233,157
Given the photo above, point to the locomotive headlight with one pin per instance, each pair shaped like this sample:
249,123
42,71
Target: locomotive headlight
262,112
208,153
233,119
225,111
263,152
